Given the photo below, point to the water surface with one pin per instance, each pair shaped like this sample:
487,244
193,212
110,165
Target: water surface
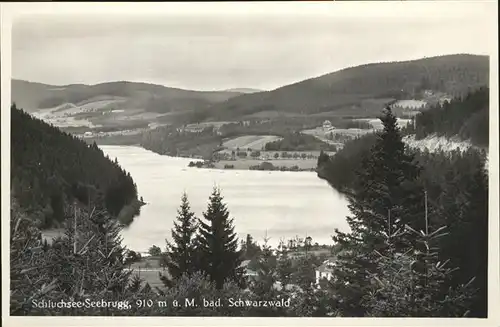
283,204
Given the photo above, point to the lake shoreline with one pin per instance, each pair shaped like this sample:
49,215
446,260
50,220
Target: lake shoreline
272,201
294,165
280,164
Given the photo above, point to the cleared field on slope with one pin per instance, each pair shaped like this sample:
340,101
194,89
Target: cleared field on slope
321,134
434,143
256,142
408,104
377,123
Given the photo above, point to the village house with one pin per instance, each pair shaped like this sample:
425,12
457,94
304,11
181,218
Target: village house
252,275
327,126
325,271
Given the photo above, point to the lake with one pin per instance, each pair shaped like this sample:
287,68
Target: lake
281,204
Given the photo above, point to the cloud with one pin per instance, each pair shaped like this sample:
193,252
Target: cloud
223,51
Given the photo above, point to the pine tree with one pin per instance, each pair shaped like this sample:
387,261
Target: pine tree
267,273
217,243
386,196
29,273
265,285
249,248
477,256
411,284
88,261
465,208
284,265
305,273
135,284
323,158
181,252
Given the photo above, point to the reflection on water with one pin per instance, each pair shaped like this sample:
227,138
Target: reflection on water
285,204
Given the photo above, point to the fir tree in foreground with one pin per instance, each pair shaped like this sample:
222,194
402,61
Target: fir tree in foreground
267,273
388,265
381,203
416,283
29,278
89,260
217,244
386,195
181,251
86,263
465,212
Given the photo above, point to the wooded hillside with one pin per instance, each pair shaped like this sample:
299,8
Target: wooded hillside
131,95
348,88
466,118
50,169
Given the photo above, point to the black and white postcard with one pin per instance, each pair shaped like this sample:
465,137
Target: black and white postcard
250,163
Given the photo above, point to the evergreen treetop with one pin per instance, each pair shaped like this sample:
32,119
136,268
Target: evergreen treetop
386,197
218,243
181,251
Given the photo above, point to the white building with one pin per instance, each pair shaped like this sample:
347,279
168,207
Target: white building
326,270
327,126
444,99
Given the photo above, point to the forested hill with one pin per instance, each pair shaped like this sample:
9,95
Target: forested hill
349,89
116,95
51,169
466,118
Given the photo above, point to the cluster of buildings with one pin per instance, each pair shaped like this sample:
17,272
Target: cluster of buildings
325,271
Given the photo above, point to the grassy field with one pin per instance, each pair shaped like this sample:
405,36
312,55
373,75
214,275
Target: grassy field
149,269
377,124
411,104
215,124
254,142
150,276
246,163
271,114
321,134
317,253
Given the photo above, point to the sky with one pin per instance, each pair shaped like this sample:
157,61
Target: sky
224,48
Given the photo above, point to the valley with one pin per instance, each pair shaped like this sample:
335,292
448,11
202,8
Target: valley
247,128
122,113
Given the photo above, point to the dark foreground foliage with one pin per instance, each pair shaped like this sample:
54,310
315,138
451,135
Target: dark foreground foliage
455,190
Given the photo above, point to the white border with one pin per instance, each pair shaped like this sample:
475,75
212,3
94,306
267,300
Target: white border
338,9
